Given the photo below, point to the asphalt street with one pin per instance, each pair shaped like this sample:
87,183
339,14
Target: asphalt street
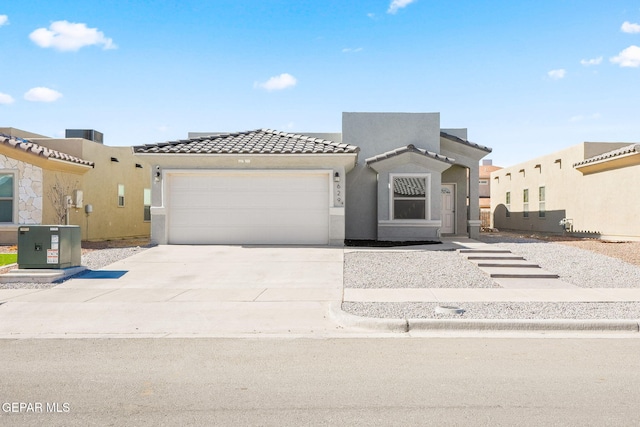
384,381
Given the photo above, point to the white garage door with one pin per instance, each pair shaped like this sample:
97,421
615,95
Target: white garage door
250,207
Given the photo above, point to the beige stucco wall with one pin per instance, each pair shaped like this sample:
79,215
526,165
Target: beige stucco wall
603,203
100,189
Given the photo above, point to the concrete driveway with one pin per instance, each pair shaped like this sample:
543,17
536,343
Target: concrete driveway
187,291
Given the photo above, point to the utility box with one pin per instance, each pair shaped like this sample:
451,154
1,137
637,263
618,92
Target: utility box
49,246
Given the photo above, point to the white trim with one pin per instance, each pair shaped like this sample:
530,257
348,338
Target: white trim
15,199
410,223
474,222
339,210
427,191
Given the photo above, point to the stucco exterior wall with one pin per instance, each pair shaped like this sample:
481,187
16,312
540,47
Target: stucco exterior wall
376,133
100,189
604,204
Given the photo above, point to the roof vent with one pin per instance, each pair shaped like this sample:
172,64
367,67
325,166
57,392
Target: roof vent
90,134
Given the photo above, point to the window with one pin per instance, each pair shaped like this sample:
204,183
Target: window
410,198
147,204
121,195
508,204
542,212
525,203
6,197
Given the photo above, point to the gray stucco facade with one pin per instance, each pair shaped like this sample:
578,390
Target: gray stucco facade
442,156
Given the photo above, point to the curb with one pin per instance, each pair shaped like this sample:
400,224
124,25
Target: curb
528,325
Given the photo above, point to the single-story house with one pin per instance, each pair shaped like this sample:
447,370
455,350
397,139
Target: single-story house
590,188
107,190
387,176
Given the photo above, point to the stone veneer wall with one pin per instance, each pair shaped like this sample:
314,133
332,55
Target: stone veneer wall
30,189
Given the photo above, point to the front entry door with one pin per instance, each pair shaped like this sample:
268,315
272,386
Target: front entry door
448,213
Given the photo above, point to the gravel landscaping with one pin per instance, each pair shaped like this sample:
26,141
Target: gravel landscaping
414,269
496,310
592,268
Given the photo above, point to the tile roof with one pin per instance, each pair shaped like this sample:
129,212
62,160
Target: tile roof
465,142
260,141
33,148
629,149
408,149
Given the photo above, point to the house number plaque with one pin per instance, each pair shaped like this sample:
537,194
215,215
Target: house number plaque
338,194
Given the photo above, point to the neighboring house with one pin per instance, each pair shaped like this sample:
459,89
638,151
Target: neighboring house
109,179
590,188
270,187
485,191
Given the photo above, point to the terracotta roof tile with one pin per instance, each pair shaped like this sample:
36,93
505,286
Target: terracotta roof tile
629,149
38,150
261,141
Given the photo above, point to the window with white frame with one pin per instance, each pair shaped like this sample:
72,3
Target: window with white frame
6,197
542,211
121,195
410,197
525,203
147,204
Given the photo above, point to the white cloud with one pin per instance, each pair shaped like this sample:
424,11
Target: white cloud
42,94
630,57
70,36
557,74
630,28
280,82
4,19
5,99
351,50
398,4
589,62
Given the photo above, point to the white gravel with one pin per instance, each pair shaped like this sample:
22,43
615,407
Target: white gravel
576,266
496,310
94,260
412,269
443,270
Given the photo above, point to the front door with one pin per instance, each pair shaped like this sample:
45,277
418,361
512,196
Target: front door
448,213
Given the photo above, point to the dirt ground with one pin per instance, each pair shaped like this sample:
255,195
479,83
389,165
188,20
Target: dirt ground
626,251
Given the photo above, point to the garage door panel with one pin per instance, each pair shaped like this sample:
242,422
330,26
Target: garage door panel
248,208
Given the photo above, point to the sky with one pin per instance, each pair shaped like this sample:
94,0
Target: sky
526,77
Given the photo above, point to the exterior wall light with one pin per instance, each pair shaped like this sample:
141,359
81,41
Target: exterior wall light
157,176
336,177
